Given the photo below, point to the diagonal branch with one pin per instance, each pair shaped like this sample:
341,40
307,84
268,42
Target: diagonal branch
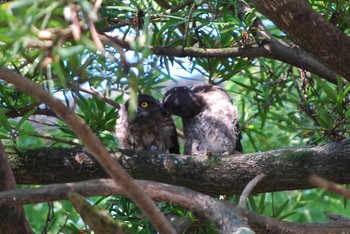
329,186
95,146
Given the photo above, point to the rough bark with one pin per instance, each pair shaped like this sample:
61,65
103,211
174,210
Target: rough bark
271,49
226,216
311,31
285,169
91,141
12,217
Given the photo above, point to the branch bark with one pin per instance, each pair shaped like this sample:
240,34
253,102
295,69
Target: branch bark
285,169
225,215
90,140
271,49
311,31
12,217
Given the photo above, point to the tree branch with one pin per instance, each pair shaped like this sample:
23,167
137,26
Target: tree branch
329,186
223,214
227,217
304,26
271,49
90,140
285,169
12,217
248,189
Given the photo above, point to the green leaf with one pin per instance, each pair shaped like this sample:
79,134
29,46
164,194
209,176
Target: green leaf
328,89
69,51
280,209
252,203
323,118
287,215
24,118
262,203
4,122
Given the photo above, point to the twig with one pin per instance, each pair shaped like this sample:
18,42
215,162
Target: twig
55,139
14,113
42,123
95,146
329,186
96,94
248,189
189,17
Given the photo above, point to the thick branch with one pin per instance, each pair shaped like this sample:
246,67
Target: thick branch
95,146
285,169
224,214
12,217
312,32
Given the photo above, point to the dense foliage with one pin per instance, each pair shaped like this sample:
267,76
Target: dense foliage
120,48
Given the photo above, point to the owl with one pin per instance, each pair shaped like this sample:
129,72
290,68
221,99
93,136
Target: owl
148,128
210,119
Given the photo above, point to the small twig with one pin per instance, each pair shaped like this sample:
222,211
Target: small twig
14,113
247,190
42,123
55,139
329,186
188,24
336,217
96,94
50,217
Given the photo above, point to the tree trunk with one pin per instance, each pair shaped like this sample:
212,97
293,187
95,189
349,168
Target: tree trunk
304,26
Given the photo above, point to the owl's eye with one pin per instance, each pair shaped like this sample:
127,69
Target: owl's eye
144,104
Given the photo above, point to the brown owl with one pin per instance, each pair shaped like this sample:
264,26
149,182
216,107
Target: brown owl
148,129
210,119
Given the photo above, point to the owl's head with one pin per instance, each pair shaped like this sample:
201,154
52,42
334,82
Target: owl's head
147,106
181,101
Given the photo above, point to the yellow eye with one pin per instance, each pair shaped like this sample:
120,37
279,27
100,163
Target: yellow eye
144,104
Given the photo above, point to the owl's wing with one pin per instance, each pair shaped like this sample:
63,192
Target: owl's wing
221,111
